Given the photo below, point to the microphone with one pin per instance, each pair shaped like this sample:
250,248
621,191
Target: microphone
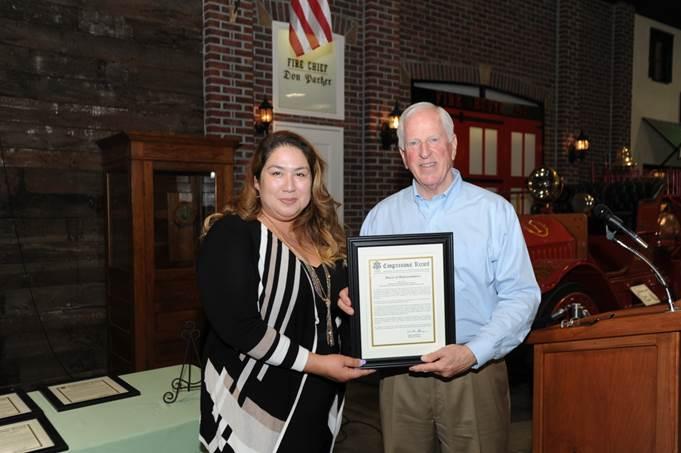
604,213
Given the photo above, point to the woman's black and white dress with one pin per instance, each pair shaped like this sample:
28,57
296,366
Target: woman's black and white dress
263,319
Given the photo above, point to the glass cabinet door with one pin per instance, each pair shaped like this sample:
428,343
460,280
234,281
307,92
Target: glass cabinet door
182,200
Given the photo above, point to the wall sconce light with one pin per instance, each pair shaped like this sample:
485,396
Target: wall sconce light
579,147
264,117
389,128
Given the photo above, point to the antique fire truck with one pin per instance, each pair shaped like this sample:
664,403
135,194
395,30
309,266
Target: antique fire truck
579,270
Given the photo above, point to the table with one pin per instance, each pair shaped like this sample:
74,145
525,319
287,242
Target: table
138,424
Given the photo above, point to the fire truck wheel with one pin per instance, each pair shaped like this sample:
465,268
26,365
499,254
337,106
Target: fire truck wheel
556,303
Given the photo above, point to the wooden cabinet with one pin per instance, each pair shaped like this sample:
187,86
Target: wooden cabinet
159,188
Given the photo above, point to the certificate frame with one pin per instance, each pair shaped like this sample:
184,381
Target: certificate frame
23,403
56,395
398,317
42,430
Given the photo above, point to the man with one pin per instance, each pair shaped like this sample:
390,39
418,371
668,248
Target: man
459,396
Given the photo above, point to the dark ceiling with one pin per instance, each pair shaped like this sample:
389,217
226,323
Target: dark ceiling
668,12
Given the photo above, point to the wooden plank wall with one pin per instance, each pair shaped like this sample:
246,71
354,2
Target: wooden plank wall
71,72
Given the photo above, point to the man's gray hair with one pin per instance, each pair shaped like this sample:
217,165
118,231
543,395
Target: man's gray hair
445,119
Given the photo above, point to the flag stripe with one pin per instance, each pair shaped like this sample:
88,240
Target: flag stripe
309,25
315,24
298,7
323,16
298,32
293,39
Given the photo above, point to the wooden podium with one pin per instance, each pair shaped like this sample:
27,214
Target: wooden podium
608,386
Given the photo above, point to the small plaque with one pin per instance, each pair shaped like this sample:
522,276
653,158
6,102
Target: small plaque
71,395
644,294
35,434
16,405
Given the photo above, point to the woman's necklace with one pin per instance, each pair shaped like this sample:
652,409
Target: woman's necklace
323,295
316,283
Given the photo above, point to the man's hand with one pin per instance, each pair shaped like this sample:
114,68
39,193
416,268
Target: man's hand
447,362
337,367
344,302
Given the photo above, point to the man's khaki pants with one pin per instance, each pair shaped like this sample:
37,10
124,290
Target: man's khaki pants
470,413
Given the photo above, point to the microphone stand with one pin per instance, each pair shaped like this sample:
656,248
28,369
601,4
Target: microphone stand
611,237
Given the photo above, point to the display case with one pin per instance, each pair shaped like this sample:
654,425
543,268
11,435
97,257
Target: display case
159,189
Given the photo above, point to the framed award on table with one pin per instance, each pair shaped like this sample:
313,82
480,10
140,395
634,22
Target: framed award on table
72,395
402,291
15,405
34,434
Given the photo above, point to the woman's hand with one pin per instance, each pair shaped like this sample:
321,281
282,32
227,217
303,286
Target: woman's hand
336,367
344,302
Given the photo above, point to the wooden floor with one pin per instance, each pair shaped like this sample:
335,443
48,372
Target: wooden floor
361,431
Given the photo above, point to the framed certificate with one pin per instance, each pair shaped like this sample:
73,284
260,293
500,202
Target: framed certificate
35,434
402,290
71,395
15,405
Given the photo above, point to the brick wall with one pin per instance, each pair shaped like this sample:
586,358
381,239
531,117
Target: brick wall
574,56
622,76
229,62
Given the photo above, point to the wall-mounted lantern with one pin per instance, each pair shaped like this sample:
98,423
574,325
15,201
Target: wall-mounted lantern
264,117
389,128
579,147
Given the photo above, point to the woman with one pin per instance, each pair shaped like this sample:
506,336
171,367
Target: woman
268,271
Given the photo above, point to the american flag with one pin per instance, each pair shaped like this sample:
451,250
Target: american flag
309,25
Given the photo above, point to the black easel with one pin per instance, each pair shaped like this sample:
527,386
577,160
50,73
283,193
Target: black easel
191,356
